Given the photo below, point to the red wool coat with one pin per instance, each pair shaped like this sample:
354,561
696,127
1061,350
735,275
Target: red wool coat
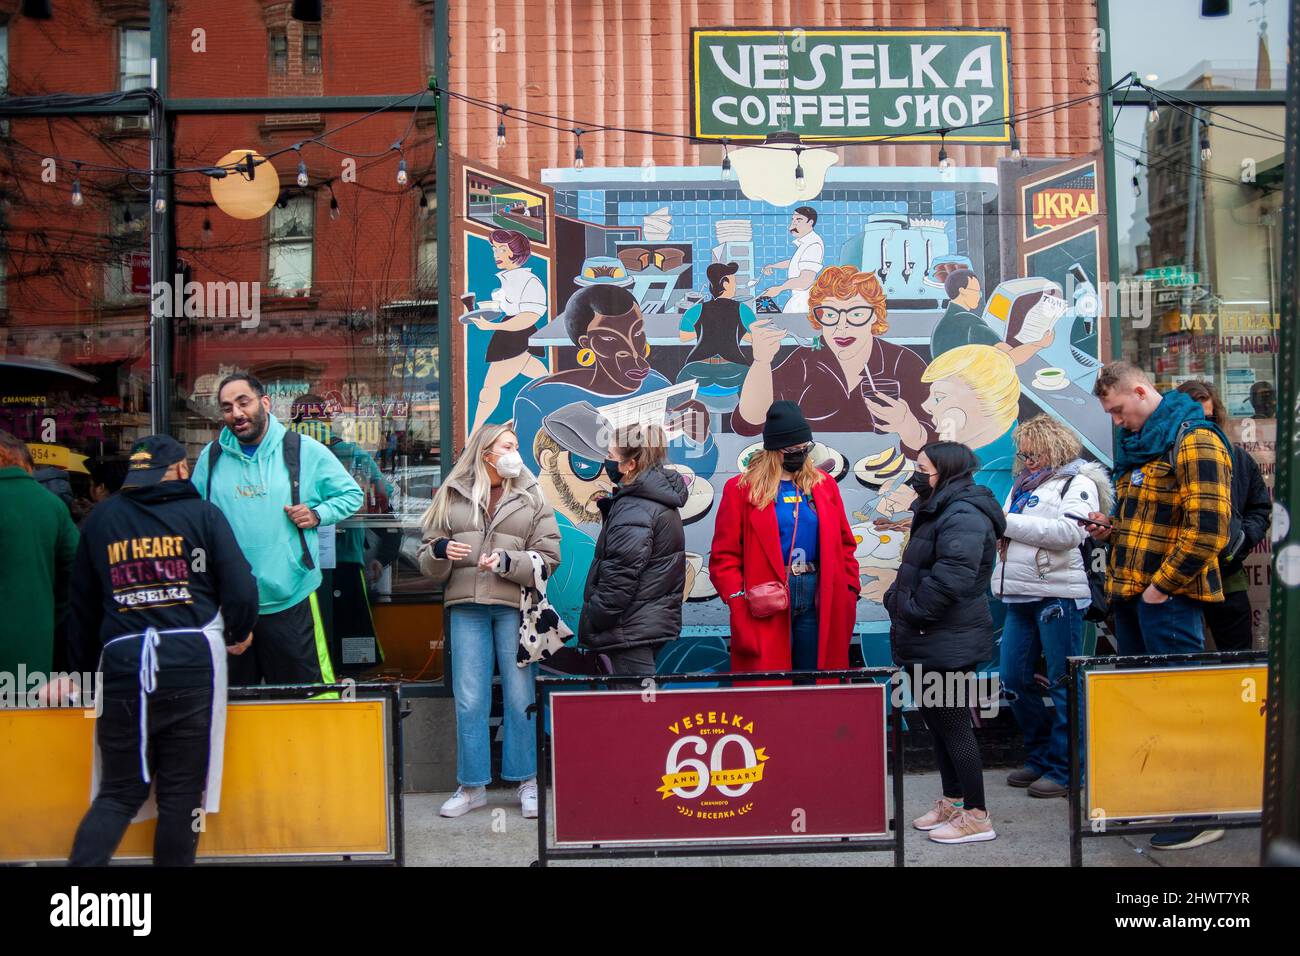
747,551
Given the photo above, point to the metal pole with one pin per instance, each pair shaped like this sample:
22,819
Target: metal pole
1076,823
442,173
162,261
1281,819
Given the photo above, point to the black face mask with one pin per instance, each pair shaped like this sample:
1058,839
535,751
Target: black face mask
921,485
792,461
611,469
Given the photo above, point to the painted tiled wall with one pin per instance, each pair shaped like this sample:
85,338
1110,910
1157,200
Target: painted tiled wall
841,215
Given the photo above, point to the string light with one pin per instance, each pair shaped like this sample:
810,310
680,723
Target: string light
334,203
77,198
943,153
1153,114
577,149
727,174
160,205
302,167
501,128
1015,143
402,178
800,183
424,201
1137,186
207,229
1205,141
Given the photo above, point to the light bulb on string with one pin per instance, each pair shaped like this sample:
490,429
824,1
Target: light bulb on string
334,203
501,129
207,229
160,205
726,162
578,162
1205,142
800,182
424,202
302,173
1137,186
1015,143
77,198
1153,114
402,178
943,152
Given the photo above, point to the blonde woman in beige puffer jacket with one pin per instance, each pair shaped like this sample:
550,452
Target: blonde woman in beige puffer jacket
486,517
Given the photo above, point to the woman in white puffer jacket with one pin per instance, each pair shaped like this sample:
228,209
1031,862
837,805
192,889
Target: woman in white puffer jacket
1041,578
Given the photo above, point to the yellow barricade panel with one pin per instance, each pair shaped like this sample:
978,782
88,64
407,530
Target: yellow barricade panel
1172,741
301,777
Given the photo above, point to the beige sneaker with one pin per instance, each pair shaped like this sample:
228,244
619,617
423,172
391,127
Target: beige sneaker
940,814
964,827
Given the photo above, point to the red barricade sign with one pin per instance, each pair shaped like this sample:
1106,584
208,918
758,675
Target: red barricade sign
714,765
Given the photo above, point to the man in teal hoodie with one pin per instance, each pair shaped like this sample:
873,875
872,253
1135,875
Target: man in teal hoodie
250,485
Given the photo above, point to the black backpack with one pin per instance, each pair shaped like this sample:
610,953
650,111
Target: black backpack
1094,566
293,462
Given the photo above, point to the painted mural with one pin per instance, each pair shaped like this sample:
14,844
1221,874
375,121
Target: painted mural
895,307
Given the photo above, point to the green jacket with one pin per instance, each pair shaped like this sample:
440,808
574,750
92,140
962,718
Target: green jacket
40,542
253,492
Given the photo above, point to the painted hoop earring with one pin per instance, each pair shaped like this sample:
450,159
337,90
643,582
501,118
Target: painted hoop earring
647,350
586,357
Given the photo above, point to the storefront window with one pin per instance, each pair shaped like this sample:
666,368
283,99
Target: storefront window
337,319
74,282
1245,50
1203,236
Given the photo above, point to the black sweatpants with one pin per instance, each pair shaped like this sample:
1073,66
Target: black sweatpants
1230,621
633,660
957,753
289,647
179,724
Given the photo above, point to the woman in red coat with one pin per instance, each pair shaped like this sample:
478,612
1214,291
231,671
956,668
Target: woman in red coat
783,521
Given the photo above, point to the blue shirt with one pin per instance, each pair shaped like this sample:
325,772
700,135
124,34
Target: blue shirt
249,450
788,497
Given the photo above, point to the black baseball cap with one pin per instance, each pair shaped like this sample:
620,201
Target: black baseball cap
150,458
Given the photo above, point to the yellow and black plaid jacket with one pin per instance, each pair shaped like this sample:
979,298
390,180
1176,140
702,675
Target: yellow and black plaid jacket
1170,528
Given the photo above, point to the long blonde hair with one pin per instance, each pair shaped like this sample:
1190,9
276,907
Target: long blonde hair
762,476
471,469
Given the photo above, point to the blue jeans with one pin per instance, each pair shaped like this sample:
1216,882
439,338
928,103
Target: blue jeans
480,633
803,622
1053,628
1172,627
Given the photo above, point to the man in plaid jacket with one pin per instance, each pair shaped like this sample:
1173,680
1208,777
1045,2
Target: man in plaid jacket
1173,506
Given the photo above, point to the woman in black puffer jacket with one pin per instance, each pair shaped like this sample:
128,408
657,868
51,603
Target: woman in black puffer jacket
632,603
941,629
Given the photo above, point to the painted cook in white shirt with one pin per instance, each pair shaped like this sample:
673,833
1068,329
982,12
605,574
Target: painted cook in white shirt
802,267
522,300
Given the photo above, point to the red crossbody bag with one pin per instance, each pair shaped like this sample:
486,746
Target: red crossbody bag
773,597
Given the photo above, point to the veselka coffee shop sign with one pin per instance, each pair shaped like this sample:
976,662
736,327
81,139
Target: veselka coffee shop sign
829,85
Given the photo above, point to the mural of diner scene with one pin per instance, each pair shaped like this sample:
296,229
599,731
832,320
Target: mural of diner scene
896,307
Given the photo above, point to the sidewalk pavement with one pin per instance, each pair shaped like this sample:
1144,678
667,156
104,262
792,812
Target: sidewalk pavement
1031,832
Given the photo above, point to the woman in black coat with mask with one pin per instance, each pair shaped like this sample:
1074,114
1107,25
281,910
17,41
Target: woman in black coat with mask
632,603
941,629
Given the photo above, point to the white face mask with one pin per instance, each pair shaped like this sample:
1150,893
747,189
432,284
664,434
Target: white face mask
510,465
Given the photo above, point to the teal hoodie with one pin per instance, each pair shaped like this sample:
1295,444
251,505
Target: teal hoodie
252,492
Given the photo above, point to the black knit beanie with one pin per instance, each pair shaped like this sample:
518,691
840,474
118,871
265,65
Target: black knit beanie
785,426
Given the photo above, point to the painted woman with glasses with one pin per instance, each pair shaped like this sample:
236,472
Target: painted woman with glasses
849,379
783,555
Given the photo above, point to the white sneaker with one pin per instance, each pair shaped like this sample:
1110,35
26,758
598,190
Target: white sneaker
528,798
464,800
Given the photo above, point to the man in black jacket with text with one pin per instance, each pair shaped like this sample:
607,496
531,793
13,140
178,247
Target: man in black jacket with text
161,594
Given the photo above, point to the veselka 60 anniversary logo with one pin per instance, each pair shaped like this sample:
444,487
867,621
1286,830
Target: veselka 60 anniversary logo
712,765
